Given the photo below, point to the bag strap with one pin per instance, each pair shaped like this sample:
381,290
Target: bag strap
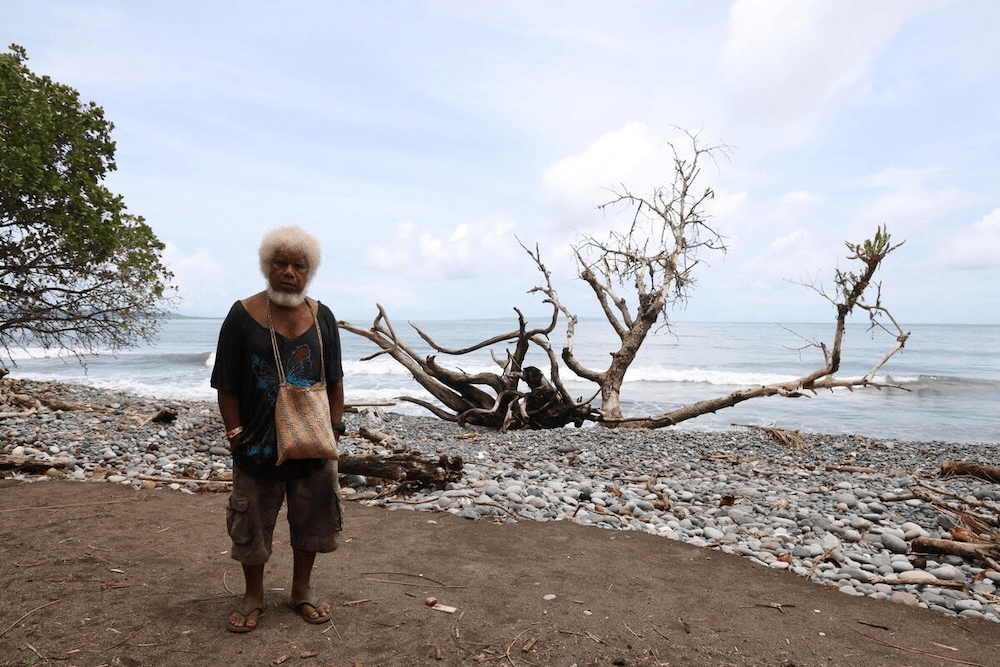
274,342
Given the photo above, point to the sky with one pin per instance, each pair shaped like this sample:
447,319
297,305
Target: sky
424,142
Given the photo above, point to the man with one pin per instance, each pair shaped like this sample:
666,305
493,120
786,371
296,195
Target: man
246,379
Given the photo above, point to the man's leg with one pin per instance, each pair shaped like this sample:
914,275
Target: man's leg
251,515
302,595
248,614
314,522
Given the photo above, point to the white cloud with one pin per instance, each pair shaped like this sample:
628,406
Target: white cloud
907,208
798,200
633,157
726,203
469,250
797,256
199,279
911,203
974,247
785,59
789,242
626,155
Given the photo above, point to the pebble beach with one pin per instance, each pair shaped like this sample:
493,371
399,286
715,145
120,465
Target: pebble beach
840,510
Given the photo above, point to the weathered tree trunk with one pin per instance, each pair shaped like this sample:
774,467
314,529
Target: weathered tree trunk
408,467
931,545
853,288
29,465
712,405
494,400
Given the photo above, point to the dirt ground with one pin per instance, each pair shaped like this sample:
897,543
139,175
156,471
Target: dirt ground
95,574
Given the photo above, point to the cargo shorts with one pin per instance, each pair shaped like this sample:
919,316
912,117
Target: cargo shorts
314,513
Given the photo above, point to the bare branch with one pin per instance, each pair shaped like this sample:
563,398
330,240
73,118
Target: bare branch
852,289
486,399
655,257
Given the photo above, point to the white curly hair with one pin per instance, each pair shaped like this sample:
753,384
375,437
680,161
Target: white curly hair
291,238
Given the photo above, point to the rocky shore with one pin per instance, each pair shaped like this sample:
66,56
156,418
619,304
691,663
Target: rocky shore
840,510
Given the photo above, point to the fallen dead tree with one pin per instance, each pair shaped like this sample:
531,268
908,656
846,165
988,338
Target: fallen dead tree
519,396
851,290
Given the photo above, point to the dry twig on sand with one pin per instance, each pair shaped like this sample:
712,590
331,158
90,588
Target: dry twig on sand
14,624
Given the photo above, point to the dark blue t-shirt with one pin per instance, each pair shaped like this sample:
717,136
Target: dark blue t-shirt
244,367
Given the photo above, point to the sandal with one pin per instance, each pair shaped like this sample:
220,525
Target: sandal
299,608
245,613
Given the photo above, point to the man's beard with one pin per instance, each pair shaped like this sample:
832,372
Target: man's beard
286,299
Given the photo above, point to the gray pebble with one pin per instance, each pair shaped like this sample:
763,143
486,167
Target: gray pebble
894,543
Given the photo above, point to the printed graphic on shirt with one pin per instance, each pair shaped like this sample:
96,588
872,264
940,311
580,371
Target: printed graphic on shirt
297,371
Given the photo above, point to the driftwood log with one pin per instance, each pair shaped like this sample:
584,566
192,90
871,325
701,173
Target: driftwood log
405,467
959,468
933,545
975,533
29,465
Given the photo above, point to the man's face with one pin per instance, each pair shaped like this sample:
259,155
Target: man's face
289,272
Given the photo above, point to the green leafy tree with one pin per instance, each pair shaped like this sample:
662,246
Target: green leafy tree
76,270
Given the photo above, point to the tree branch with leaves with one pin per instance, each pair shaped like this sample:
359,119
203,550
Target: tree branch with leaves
77,270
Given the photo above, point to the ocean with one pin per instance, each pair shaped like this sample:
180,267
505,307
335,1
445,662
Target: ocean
949,373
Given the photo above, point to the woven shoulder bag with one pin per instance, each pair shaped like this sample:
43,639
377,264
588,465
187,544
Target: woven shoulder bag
302,421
